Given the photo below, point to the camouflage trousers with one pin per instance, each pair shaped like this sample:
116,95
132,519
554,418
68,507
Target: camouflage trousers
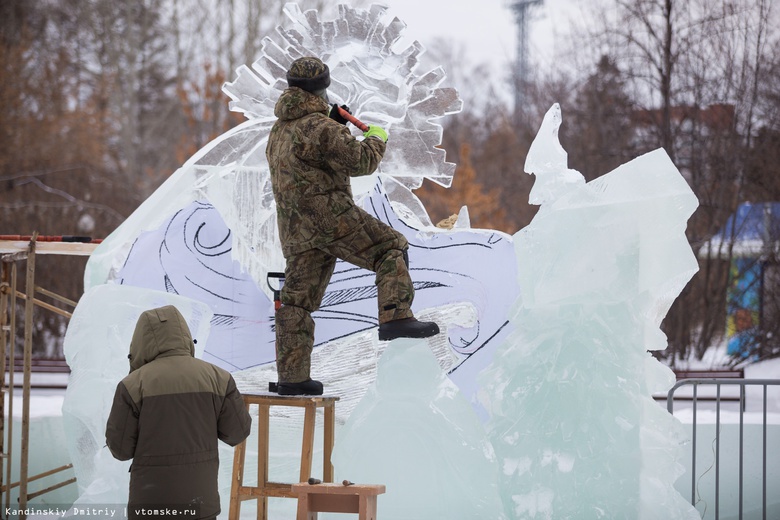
373,246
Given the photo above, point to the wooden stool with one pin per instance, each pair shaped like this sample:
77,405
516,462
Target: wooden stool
264,488
337,498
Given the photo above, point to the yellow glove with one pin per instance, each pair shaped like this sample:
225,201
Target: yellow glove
376,131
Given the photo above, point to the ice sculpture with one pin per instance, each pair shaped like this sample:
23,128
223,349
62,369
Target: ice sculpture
190,255
379,85
548,161
209,233
572,419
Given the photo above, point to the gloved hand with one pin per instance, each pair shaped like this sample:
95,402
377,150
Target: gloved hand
335,115
376,131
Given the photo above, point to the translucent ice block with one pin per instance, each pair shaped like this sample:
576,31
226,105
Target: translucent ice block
416,434
97,343
572,420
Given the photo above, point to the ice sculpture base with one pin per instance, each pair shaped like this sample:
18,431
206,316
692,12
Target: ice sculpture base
412,423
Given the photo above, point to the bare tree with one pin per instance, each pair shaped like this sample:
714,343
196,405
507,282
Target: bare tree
599,126
694,72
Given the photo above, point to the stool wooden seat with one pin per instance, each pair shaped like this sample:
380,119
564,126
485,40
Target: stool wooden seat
264,489
337,498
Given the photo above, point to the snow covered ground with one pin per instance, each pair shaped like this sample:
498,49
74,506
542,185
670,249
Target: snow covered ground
48,449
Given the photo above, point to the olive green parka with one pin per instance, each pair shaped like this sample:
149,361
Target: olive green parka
168,414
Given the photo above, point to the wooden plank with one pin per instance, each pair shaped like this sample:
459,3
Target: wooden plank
339,489
5,333
51,488
56,296
307,445
337,498
239,454
46,306
48,248
272,399
11,361
330,503
39,476
263,444
28,333
367,507
328,442
271,489
303,511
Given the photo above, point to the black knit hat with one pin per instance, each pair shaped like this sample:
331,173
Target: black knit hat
310,74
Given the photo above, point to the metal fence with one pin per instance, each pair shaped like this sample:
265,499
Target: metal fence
718,398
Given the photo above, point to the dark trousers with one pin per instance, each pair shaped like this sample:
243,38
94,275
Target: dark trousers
373,246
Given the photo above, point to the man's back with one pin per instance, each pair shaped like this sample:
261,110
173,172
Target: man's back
168,414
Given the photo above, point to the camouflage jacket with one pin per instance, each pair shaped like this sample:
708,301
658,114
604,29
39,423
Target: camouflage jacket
312,157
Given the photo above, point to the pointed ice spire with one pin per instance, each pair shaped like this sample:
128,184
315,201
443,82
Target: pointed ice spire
548,161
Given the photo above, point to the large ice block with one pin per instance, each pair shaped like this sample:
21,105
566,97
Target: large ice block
189,254
572,419
96,346
416,434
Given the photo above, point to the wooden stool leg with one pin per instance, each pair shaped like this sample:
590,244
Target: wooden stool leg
263,433
239,454
328,441
367,507
307,449
303,509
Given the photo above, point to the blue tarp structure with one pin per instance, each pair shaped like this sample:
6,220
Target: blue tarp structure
754,230
752,227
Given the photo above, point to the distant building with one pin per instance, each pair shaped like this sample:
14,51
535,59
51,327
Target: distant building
750,240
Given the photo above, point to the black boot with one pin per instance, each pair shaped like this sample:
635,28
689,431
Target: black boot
308,387
407,328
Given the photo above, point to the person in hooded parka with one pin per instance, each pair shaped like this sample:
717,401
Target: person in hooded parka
168,415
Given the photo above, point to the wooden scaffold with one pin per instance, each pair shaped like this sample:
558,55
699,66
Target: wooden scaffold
15,249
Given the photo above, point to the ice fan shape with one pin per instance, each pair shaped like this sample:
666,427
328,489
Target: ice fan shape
380,85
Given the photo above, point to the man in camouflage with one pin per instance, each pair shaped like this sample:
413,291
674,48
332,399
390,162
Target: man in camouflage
312,156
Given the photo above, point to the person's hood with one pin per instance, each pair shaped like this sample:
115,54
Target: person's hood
160,332
296,102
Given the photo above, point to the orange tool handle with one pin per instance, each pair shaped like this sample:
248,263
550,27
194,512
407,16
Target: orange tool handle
352,119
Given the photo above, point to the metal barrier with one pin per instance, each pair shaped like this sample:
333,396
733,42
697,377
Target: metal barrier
742,383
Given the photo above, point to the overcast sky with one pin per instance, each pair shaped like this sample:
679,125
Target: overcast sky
486,27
